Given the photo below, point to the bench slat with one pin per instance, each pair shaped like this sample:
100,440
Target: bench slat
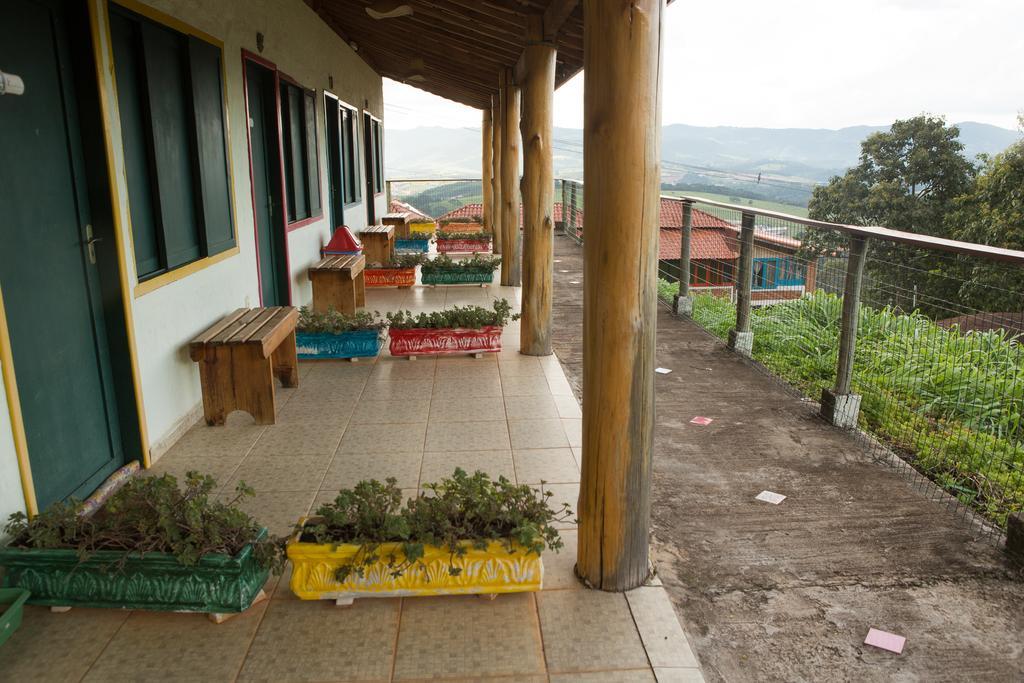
282,325
250,331
216,328
225,335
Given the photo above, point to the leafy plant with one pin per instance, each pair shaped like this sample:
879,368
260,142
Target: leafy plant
418,237
400,261
465,317
336,322
471,236
153,515
463,220
458,514
478,262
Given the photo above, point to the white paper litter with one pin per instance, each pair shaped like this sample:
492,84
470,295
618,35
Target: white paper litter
574,282
662,371
770,497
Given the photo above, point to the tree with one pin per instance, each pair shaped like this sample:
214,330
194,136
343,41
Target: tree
908,178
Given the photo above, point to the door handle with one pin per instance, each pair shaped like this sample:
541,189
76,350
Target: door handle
90,243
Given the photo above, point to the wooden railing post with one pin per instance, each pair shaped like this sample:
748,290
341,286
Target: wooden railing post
497,126
574,207
621,142
538,194
486,167
511,255
741,339
838,405
683,303
565,207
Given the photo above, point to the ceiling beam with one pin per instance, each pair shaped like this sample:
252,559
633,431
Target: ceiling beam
556,14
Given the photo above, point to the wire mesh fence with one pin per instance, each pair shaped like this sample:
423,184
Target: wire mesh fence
437,199
568,208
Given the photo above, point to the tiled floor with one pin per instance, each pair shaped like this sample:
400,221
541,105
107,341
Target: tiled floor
506,414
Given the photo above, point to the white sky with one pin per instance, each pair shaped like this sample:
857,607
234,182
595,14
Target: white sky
809,63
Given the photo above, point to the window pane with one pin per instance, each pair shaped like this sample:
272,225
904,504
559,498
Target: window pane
312,155
297,157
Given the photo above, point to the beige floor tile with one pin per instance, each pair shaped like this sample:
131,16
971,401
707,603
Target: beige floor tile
560,567
530,407
299,439
659,628
568,407
568,494
389,412
524,386
162,646
57,647
341,370
217,441
383,438
524,366
438,465
559,385
281,473
466,636
480,387
577,452
404,390
348,469
333,414
315,641
279,511
482,370
537,434
395,369
551,465
466,409
220,468
574,432
674,675
589,630
632,676
327,388
491,435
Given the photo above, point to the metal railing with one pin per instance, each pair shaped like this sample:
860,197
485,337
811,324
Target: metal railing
437,198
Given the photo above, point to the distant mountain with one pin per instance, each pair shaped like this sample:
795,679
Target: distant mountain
791,160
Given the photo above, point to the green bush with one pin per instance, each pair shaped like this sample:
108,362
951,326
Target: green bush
401,261
336,322
455,235
478,262
466,317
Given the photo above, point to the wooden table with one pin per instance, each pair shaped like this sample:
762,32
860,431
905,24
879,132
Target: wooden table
400,220
338,283
378,243
240,355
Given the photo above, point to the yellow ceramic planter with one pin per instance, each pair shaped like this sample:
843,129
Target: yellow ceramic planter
422,227
489,571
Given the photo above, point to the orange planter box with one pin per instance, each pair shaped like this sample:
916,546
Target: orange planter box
390,277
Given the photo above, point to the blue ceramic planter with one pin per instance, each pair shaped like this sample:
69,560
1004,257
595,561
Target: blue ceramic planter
358,344
415,246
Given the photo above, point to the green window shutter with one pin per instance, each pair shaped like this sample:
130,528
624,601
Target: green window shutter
378,168
211,147
312,154
297,157
135,139
286,140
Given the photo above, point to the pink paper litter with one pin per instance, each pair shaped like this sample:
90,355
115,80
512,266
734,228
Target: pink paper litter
701,420
885,640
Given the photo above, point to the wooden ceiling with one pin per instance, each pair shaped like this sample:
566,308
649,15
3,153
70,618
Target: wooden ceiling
459,47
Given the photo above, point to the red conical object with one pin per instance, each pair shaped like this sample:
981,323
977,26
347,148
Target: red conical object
342,243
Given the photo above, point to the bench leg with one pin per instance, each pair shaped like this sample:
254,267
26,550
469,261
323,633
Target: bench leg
346,296
285,362
360,286
215,378
254,382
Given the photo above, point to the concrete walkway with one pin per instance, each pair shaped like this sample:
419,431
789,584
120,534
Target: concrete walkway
788,592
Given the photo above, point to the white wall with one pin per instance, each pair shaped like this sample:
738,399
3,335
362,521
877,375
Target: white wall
303,47
11,497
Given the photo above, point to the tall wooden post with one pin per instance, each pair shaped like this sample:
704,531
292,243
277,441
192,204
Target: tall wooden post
621,140
497,126
838,405
511,263
741,339
538,195
486,167
683,303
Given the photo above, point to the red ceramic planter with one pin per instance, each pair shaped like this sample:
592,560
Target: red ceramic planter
463,246
390,277
422,342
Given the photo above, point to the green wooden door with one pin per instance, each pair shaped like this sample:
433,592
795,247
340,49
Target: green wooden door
266,181
50,286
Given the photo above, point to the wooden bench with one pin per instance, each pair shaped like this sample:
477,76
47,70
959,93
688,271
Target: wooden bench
378,243
240,355
400,220
338,283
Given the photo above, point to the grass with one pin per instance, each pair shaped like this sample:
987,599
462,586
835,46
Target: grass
951,404
792,209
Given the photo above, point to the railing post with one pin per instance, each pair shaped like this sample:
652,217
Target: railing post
741,339
387,191
1015,537
574,212
838,405
683,301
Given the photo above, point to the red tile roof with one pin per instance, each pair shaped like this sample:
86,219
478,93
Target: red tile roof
476,209
398,206
705,244
672,216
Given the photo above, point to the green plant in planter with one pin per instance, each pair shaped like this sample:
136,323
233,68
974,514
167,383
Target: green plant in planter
458,513
476,262
418,237
153,515
336,322
463,220
465,317
472,236
401,261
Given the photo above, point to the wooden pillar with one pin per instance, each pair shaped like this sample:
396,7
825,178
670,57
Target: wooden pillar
511,263
741,339
497,126
838,405
621,141
683,304
538,196
486,167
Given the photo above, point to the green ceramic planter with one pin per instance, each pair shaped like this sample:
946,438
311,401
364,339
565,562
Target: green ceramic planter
156,581
457,276
12,601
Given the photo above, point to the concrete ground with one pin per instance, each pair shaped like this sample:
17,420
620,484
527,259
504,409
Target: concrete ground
789,592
